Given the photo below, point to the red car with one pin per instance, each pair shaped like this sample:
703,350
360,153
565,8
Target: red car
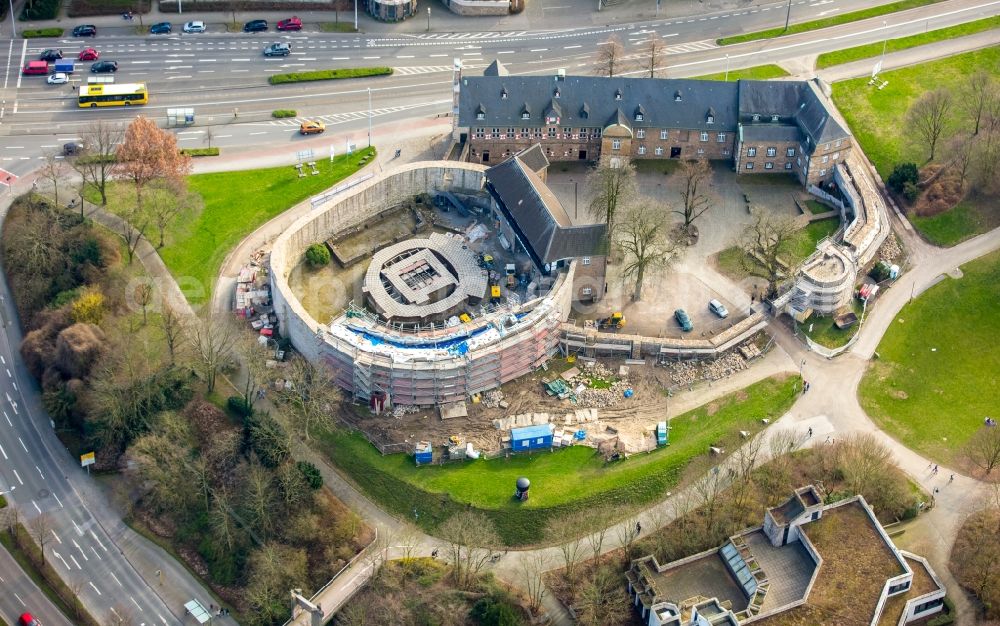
89,54
27,620
292,23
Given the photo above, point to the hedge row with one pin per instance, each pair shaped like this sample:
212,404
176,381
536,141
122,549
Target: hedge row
347,72
170,6
280,113
85,8
200,152
41,10
42,32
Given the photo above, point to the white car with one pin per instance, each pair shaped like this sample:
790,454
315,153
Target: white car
59,78
718,308
194,27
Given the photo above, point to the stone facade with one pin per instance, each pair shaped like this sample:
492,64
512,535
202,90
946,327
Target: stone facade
478,7
391,10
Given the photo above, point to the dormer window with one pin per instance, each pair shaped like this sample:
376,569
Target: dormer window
480,112
503,94
640,113
710,116
480,116
525,111
584,111
774,118
677,96
555,94
618,94
756,117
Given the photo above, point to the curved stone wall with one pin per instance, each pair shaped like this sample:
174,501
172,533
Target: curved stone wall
444,365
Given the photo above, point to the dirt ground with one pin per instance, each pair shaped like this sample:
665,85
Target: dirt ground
632,420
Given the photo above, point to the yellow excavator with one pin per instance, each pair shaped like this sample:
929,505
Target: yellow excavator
617,320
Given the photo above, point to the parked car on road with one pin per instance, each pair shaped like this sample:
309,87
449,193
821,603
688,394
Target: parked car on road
35,67
311,127
85,30
194,27
88,54
683,320
292,23
255,26
278,50
718,308
103,67
50,54
72,148
27,620
161,28
59,78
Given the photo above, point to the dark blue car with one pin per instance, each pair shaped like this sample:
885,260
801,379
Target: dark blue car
160,28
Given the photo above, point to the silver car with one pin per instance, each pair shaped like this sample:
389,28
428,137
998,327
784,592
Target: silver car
194,27
718,308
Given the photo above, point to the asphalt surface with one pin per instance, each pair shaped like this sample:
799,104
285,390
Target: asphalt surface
21,595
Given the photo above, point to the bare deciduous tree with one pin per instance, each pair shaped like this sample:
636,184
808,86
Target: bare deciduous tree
975,558
168,203
532,567
143,297
975,97
654,53
212,339
54,171
983,448
764,242
97,164
173,329
697,177
612,184
610,59
40,528
645,242
628,532
313,397
565,532
597,523
601,599
471,539
929,117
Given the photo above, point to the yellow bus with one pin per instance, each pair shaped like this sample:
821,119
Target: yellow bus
112,95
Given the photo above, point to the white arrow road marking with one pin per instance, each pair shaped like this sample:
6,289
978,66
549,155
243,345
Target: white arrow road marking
40,472
82,553
59,556
56,536
98,591
98,541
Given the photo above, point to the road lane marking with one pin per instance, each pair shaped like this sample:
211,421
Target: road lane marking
101,594
98,541
22,444
133,601
18,476
4,452
120,618
260,133
58,500
94,550
75,562
139,62
40,472
56,536
82,553
78,531
116,580
37,508
571,47
59,556
20,600
8,373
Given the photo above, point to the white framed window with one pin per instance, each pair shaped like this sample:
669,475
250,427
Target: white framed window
788,166
774,118
769,166
826,158
710,119
837,145
749,165
704,136
638,117
701,151
616,144
480,116
642,149
751,152
772,151
586,291
659,151
836,155
663,134
798,161
790,152
721,138
640,133
725,152
585,260
822,172
525,115
826,146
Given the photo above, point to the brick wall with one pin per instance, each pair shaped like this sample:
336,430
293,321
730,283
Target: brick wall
590,275
768,157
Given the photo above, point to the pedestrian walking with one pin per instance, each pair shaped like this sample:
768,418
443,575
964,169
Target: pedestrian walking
936,491
434,553
638,528
952,479
810,431
935,469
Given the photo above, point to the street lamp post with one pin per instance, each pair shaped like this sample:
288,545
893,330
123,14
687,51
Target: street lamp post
355,15
885,41
428,19
13,27
369,117
788,14
727,69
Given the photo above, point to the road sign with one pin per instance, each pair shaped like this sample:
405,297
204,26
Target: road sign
87,459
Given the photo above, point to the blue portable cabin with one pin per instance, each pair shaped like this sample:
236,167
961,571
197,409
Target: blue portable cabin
424,453
661,434
531,437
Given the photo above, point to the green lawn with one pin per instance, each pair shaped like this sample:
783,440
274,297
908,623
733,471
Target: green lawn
562,481
825,332
829,59
813,233
936,376
876,117
826,22
970,217
759,72
815,207
236,203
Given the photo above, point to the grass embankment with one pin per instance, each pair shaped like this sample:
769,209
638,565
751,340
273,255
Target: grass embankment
236,203
826,22
936,376
562,481
337,74
825,332
867,51
759,72
730,260
876,118
816,208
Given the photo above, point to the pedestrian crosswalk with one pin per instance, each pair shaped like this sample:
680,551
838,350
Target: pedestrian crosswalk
694,46
420,69
350,116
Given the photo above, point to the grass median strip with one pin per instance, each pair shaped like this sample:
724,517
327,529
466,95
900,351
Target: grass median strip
200,152
826,22
42,32
337,74
838,57
564,481
759,72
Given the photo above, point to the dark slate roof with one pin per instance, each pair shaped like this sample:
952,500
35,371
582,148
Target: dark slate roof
534,158
795,102
597,95
538,218
764,132
496,68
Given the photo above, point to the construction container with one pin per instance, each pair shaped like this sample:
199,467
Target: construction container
424,453
531,437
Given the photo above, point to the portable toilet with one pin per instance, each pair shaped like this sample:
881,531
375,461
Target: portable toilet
661,434
424,453
531,437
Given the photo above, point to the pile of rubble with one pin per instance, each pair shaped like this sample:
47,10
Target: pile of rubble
730,364
890,250
493,399
684,373
399,410
603,398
